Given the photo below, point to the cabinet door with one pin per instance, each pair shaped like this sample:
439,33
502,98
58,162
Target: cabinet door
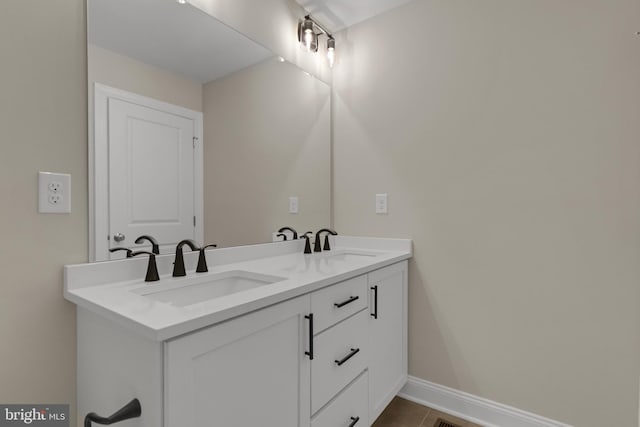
249,371
388,335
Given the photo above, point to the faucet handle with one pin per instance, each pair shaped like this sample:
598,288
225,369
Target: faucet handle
326,246
307,243
284,236
202,259
152,268
129,251
155,247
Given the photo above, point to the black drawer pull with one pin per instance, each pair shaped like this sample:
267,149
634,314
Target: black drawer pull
310,352
354,421
375,301
354,351
349,301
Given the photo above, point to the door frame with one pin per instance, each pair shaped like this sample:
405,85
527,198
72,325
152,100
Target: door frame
99,236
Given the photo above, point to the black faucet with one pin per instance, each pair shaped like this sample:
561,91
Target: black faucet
295,233
152,268
202,259
155,248
307,244
316,245
129,251
178,263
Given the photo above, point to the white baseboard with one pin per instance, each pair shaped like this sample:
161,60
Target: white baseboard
471,408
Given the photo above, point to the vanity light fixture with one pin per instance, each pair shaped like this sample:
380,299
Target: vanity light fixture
182,1
308,32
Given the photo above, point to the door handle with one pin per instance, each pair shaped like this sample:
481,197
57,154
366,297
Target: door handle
119,237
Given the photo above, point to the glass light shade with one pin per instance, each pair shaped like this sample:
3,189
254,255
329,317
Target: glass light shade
331,51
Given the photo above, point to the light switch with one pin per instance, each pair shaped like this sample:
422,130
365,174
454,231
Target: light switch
54,192
293,204
381,203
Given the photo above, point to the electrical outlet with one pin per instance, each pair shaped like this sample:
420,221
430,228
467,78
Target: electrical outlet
54,186
55,199
382,203
54,192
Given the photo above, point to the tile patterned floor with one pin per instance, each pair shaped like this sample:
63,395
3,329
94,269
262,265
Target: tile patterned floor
403,413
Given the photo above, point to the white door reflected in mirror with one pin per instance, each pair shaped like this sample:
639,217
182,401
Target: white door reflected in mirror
150,164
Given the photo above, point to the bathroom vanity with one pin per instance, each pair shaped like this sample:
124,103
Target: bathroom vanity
268,337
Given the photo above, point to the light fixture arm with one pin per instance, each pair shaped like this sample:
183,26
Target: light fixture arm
322,29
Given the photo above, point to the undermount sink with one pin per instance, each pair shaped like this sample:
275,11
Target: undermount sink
347,256
206,288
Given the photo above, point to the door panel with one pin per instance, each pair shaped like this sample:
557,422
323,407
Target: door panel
388,339
249,371
151,174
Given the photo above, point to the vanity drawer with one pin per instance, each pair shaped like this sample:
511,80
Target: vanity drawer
350,408
341,354
337,302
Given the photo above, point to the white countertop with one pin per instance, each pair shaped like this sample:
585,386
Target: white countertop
108,288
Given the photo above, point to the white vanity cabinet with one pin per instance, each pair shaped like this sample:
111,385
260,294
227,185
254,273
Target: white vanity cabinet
256,369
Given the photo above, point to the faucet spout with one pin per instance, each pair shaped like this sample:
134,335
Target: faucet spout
178,263
155,247
294,232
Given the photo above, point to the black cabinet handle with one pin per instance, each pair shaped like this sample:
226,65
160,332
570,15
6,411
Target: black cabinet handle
349,301
310,352
354,351
375,301
130,410
354,421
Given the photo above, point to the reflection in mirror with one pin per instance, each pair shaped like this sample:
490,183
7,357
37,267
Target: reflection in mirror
260,127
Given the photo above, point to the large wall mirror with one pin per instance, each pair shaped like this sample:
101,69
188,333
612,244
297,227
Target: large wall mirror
196,131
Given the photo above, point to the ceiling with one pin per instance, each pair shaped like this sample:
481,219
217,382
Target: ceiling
339,14
179,38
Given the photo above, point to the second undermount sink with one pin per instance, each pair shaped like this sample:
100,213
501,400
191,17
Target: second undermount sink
206,288
347,256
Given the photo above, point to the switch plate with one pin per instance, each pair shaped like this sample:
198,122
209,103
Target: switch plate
381,203
54,192
293,204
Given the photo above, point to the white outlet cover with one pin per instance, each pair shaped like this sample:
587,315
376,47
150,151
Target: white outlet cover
54,192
